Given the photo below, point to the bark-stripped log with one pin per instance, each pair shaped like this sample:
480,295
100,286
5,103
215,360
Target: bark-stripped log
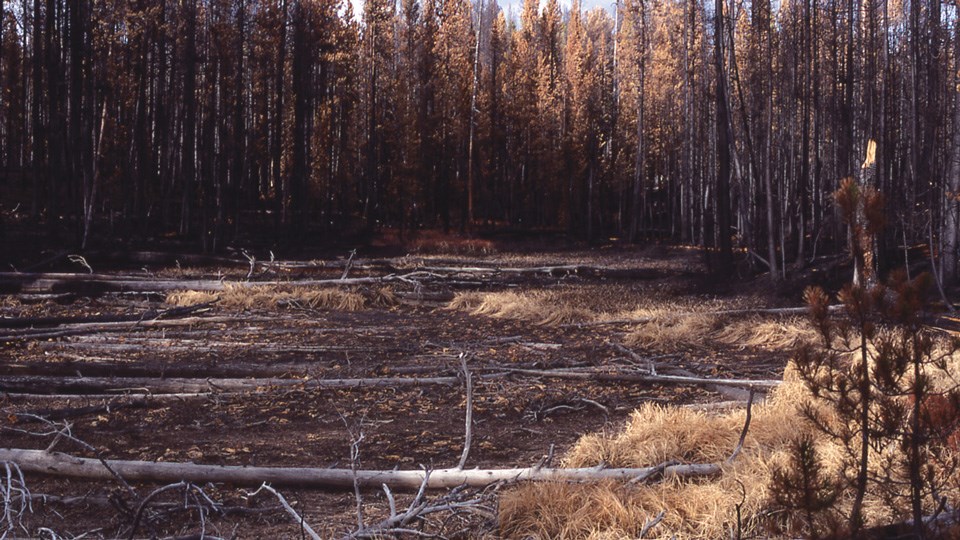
64,465
720,313
18,283
77,385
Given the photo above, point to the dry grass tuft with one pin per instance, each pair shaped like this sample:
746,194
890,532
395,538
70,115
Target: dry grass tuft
770,334
539,307
190,298
702,508
271,296
696,331
695,508
675,331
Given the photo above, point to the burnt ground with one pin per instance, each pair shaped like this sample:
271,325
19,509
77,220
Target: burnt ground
517,419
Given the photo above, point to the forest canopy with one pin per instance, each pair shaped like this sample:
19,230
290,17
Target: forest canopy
721,124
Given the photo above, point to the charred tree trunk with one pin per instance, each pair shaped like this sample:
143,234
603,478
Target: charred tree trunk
722,200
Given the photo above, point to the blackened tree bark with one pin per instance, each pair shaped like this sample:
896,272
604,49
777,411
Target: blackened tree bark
725,246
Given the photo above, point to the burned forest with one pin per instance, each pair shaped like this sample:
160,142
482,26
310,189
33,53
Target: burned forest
457,269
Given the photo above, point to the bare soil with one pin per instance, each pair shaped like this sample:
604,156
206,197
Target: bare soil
517,419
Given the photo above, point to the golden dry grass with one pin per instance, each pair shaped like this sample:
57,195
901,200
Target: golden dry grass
695,508
271,296
579,303
692,331
767,333
539,307
674,331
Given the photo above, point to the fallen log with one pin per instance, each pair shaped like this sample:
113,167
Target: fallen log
194,346
108,367
154,314
720,313
646,377
731,392
552,271
77,385
64,465
92,284
86,328
37,384
60,298
66,413
4,396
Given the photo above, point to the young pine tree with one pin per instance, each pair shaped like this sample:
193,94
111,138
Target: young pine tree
872,390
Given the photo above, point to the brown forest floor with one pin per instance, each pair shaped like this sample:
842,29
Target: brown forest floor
517,419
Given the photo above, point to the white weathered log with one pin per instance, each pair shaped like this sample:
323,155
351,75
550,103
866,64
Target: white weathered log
42,283
35,384
64,465
644,377
721,313
86,328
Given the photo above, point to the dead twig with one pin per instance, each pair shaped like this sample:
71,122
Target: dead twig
650,365
743,433
13,488
420,507
468,429
79,259
652,523
304,526
349,265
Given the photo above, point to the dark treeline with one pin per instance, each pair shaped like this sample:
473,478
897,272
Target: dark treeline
723,124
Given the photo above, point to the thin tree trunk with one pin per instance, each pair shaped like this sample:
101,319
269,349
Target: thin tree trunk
722,120
473,111
952,195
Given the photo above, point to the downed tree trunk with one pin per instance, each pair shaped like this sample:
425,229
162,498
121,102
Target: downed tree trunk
108,367
92,284
76,385
646,377
194,346
86,328
64,465
721,313
553,271
154,314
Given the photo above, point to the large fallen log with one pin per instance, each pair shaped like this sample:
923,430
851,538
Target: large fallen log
93,284
86,328
646,377
162,367
77,385
34,283
194,346
64,465
153,314
552,271
35,384
720,313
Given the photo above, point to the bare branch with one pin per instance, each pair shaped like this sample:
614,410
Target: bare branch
743,433
468,429
286,506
